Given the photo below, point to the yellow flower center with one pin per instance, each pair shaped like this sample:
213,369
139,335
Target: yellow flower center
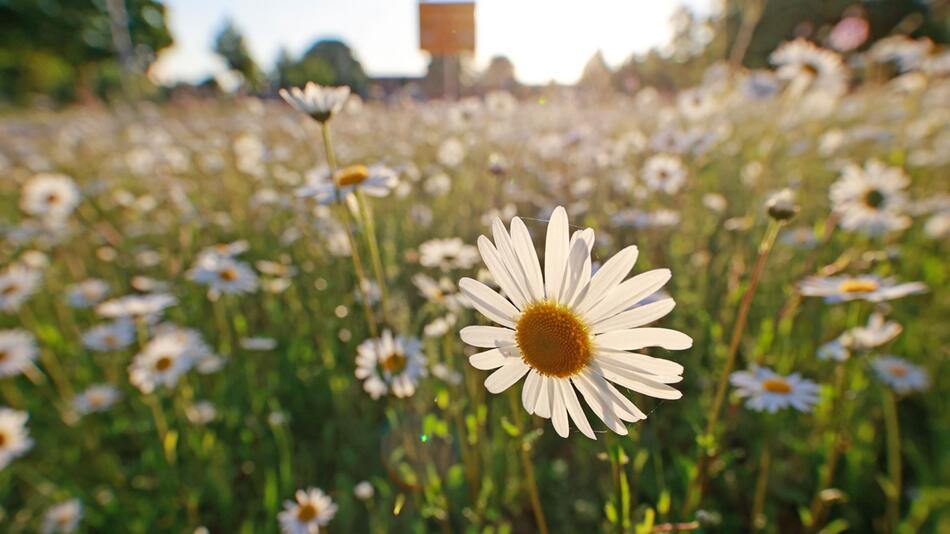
3,439
394,363
163,363
52,198
352,175
874,199
9,290
776,385
898,370
306,513
110,340
3,355
228,275
858,286
553,339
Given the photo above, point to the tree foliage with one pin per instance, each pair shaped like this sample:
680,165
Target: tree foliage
230,45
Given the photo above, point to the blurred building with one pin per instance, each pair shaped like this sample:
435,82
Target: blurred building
447,33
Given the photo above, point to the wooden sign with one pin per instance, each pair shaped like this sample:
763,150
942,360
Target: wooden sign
447,28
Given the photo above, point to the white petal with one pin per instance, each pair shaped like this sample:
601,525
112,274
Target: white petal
638,316
628,293
559,410
656,366
531,390
509,257
578,266
638,383
608,277
625,408
555,253
528,257
487,360
637,338
542,408
499,272
503,378
599,401
623,365
489,303
574,408
488,337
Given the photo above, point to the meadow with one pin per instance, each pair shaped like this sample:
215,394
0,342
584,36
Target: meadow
187,337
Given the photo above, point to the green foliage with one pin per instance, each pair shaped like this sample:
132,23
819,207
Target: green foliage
229,44
327,62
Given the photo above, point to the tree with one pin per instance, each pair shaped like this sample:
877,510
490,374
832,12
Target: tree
500,74
347,70
295,73
230,45
66,48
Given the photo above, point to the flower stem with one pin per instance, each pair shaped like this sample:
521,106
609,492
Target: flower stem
759,520
371,241
892,428
524,450
696,487
348,227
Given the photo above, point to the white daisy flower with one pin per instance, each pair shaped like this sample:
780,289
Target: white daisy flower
447,254
389,364
258,343
836,350
869,287
442,292
50,196
18,350
62,518
808,67
871,199
313,509
17,283
364,490
148,307
696,103
769,391
565,329
108,337
902,376
877,333
664,173
87,293
162,362
446,374
223,274
14,436
375,181
96,398
318,101
909,54
201,413
224,250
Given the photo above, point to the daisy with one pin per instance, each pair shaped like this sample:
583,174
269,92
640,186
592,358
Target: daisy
696,103
781,205
17,351
447,254
224,250
50,196
147,307
201,413
375,181
318,101
869,287
664,173
17,283
87,293
809,67
875,334
901,375
364,490
96,398
565,329
108,337
313,509
225,275
389,364
837,350
14,436
162,362
258,343
769,391
63,517
440,326
871,199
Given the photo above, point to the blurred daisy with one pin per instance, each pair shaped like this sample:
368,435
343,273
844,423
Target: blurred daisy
439,326
869,287
63,517
318,101
17,283
566,329
871,199
836,350
201,413
116,335
313,509
389,364
14,436
446,374
696,103
17,351
225,275
364,490
808,67
664,173
769,391
87,293
224,250
147,307
375,181
162,362
97,398
875,334
258,343
447,254
52,197
901,375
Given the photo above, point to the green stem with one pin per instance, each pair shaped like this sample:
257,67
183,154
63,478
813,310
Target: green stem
892,428
524,449
371,241
759,520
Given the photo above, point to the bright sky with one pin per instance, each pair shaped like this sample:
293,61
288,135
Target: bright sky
546,39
